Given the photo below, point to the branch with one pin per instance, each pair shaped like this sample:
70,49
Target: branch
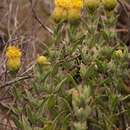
38,19
14,81
125,8
7,126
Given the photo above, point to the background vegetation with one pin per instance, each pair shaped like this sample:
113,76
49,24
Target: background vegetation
84,86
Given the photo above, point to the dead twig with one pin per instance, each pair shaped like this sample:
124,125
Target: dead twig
15,80
5,98
124,7
12,128
39,21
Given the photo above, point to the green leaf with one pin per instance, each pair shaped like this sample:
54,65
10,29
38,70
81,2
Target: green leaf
25,123
17,122
58,87
113,101
51,101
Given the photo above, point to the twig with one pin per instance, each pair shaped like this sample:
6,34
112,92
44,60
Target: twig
126,8
119,30
2,124
67,60
6,116
3,107
15,80
123,6
4,98
39,21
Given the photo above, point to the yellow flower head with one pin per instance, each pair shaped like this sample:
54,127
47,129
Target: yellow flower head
42,60
13,64
13,52
77,4
67,9
59,14
74,14
63,3
69,3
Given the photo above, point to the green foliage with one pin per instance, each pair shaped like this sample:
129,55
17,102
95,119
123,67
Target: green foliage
84,87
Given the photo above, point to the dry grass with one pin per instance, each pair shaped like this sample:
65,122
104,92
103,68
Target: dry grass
19,27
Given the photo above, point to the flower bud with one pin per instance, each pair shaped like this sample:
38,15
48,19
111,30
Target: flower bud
42,60
109,4
83,71
92,4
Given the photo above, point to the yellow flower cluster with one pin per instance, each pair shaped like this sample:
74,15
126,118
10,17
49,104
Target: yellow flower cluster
13,52
69,3
13,55
67,9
